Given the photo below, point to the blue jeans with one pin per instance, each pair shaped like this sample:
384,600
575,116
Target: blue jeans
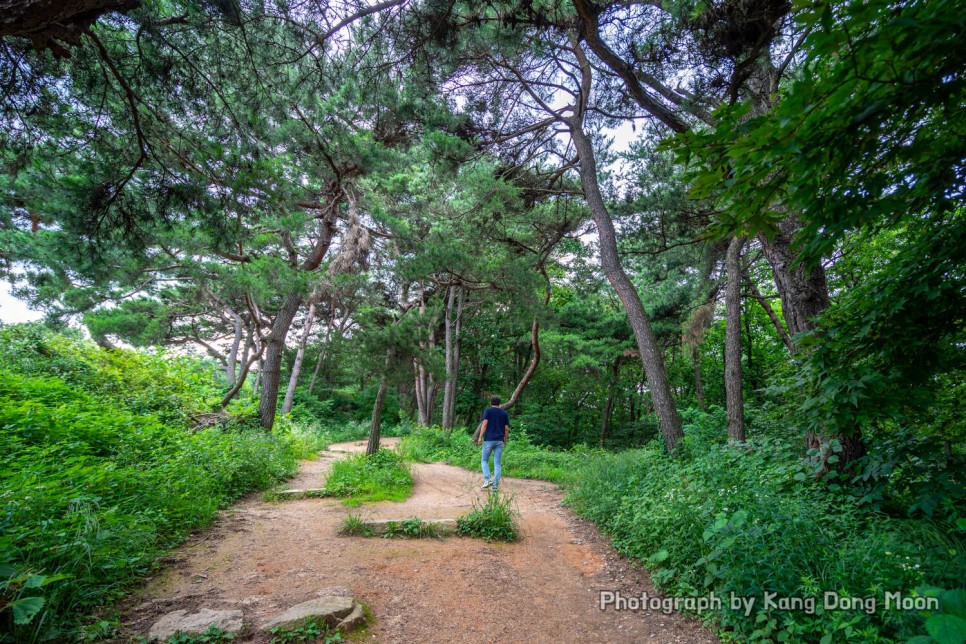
497,448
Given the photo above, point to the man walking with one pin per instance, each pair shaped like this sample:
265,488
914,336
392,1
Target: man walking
493,436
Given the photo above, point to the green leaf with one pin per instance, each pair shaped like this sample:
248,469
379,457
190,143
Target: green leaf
34,581
954,602
659,556
947,629
25,609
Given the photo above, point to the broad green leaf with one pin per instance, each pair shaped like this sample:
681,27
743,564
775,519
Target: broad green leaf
947,629
25,609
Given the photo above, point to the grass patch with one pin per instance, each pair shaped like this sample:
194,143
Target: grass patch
383,476
493,520
354,526
411,528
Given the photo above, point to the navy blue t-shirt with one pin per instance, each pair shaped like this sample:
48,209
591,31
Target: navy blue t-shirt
498,420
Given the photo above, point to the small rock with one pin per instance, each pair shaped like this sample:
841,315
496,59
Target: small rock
229,621
355,619
330,610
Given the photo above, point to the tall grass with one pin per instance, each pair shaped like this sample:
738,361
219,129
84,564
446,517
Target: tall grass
103,473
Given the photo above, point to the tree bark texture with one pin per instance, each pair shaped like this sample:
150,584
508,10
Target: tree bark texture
452,324
231,367
733,387
272,368
804,292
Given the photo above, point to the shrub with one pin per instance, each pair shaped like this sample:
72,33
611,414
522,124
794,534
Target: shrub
102,473
746,521
493,520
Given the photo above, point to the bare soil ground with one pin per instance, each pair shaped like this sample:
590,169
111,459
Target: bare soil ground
264,557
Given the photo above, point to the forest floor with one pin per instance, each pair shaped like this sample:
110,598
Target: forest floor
263,557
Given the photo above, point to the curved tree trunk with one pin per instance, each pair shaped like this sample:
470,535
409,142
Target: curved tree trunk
733,387
651,352
804,292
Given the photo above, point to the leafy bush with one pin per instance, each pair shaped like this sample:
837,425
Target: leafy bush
493,520
383,476
102,473
747,521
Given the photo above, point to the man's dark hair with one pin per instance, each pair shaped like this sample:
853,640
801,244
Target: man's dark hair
495,401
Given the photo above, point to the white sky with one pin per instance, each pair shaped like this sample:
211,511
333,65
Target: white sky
13,310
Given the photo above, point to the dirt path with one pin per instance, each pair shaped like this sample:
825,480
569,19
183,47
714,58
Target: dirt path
264,557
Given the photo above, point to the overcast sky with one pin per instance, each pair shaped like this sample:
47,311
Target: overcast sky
13,310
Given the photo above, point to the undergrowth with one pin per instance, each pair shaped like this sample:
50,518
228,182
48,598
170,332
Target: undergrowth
750,521
103,472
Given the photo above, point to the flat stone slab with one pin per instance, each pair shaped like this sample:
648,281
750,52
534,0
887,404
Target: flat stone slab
331,610
229,621
382,523
296,493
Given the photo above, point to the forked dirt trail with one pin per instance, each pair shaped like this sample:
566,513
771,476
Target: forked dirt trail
263,557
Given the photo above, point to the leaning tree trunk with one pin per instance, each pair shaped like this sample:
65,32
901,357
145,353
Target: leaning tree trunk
651,353
272,368
770,312
733,386
240,382
299,357
376,423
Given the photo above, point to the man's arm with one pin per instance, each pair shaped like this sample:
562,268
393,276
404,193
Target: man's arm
486,421
506,433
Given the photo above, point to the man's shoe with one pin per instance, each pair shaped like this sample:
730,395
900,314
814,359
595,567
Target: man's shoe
486,484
